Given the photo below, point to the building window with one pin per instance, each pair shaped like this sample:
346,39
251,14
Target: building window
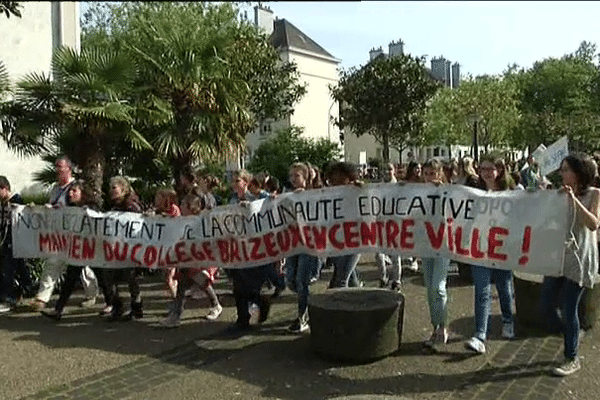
436,152
265,129
428,154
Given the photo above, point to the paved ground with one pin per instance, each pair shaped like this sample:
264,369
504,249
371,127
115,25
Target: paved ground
85,357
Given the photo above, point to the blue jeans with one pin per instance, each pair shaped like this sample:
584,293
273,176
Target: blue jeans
435,275
571,296
483,297
343,267
299,270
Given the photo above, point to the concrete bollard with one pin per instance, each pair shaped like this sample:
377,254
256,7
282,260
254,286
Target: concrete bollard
527,301
356,324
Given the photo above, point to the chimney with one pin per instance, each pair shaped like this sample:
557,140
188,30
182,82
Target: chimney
375,52
396,48
263,19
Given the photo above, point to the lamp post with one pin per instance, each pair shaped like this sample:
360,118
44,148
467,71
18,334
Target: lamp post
474,119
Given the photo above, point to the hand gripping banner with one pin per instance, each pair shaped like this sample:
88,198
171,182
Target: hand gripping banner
515,230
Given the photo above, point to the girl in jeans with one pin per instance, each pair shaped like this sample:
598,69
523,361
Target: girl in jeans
580,258
435,273
491,178
300,268
338,174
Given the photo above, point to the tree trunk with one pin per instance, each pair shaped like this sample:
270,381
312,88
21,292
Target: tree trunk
386,148
92,169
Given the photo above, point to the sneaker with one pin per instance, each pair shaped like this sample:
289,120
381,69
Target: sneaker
4,308
567,367
265,307
52,314
298,327
396,286
508,330
441,336
414,266
36,305
475,345
171,321
214,312
429,342
87,303
107,310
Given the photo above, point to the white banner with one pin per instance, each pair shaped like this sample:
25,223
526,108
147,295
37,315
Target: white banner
509,230
553,156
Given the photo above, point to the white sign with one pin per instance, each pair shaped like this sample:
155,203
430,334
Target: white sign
553,156
509,230
539,152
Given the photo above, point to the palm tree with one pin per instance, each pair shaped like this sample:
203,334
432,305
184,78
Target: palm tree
85,110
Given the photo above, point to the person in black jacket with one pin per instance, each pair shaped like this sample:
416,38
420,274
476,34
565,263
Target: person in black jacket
9,265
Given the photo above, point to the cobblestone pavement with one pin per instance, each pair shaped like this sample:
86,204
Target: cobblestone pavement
270,363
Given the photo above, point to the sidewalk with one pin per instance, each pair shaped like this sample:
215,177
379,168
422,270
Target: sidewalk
85,357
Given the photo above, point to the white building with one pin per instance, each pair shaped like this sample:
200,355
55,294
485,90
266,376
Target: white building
317,68
27,46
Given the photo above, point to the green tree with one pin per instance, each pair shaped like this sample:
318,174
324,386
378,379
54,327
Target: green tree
559,96
287,147
211,70
386,98
10,7
85,111
490,101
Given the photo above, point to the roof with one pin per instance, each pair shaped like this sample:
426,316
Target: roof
286,35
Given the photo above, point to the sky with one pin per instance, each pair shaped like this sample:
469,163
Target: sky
483,37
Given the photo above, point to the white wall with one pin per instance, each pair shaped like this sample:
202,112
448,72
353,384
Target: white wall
26,46
315,109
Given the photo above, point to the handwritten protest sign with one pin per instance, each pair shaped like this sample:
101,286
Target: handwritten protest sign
553,156
509,230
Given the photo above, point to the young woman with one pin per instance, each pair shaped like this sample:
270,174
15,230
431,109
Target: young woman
203,278
247,282
580,267
124,198
413,172
75,198
435,273
300,268
165,204
344,267
491,179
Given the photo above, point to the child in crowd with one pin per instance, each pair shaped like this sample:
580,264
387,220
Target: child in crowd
247,282
165,204
75,198
580,267
435,272
9,265
491,178
389,265
300,268
203,278
339,174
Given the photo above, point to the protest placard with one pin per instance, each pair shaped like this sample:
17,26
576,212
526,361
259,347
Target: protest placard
553,156
509,230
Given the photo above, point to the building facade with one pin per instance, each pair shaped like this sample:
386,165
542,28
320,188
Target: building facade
27,46
318,69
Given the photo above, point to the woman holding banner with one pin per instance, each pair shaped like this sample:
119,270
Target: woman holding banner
123,198
580,266
435,273
491,178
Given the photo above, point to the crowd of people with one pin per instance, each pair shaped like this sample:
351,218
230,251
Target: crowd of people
195,192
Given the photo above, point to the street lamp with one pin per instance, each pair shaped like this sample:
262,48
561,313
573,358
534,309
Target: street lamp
474,119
